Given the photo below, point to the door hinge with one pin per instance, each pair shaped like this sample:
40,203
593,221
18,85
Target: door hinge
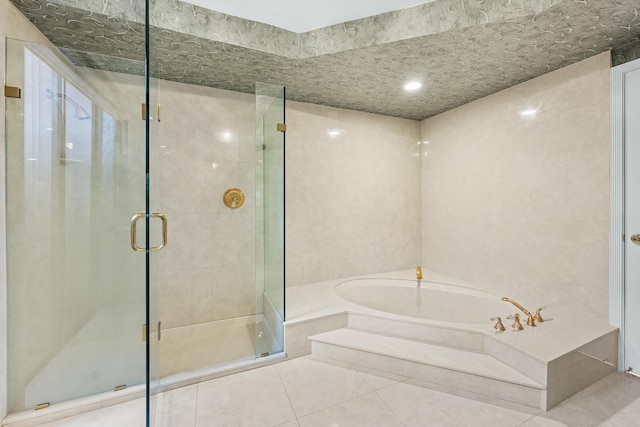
12,92
282,127
144,331
144,112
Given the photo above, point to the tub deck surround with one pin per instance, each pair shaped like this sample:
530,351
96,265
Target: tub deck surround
422,299
539,366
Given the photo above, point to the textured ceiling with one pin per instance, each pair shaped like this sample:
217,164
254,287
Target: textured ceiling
300,16
461,49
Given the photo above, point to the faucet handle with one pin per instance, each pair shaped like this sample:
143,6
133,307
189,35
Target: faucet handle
537,316
498,326
516,321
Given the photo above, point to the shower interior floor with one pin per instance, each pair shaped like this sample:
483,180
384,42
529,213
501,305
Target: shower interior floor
204,346
192,347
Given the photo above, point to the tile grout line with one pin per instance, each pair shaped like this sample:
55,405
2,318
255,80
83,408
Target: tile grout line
284,387
341,403
527,420
576,401
195,420
331,406
211,310
387,405
599,416
356,368
406,382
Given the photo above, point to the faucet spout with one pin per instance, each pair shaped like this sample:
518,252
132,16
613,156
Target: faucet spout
418,273
530,320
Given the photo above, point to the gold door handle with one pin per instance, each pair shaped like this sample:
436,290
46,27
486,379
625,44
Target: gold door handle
635,239
134,229
134,221
163,218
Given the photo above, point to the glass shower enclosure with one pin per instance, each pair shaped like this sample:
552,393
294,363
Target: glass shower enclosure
270,136
87,170
75,177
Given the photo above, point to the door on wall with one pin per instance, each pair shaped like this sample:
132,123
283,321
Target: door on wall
632,218
78,265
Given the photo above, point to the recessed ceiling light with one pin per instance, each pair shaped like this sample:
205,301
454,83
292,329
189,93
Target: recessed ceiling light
411,86
528,112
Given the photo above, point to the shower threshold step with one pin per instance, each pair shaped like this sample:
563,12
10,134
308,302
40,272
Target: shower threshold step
450,367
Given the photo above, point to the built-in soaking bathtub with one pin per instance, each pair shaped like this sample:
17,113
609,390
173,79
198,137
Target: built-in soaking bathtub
424,299
440,331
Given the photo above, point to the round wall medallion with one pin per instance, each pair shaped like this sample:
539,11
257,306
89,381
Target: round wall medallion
233,198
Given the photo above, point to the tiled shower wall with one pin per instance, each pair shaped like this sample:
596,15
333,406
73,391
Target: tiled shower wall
12,25
352,198
207,272
353,193
515,189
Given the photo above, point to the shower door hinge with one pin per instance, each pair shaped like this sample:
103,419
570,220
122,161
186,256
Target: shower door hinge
144,112
144,331
120,387
282,127
265,354
42,406
12,92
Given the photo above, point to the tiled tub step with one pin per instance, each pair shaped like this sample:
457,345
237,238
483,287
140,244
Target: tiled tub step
461,339
465,370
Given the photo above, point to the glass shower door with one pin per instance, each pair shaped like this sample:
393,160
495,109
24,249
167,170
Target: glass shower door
270,135
76,154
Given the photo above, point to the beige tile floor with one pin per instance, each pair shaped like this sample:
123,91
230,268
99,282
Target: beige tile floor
314,392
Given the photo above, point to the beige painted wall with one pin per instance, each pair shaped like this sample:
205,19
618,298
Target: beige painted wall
520,203
353,196
13,25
